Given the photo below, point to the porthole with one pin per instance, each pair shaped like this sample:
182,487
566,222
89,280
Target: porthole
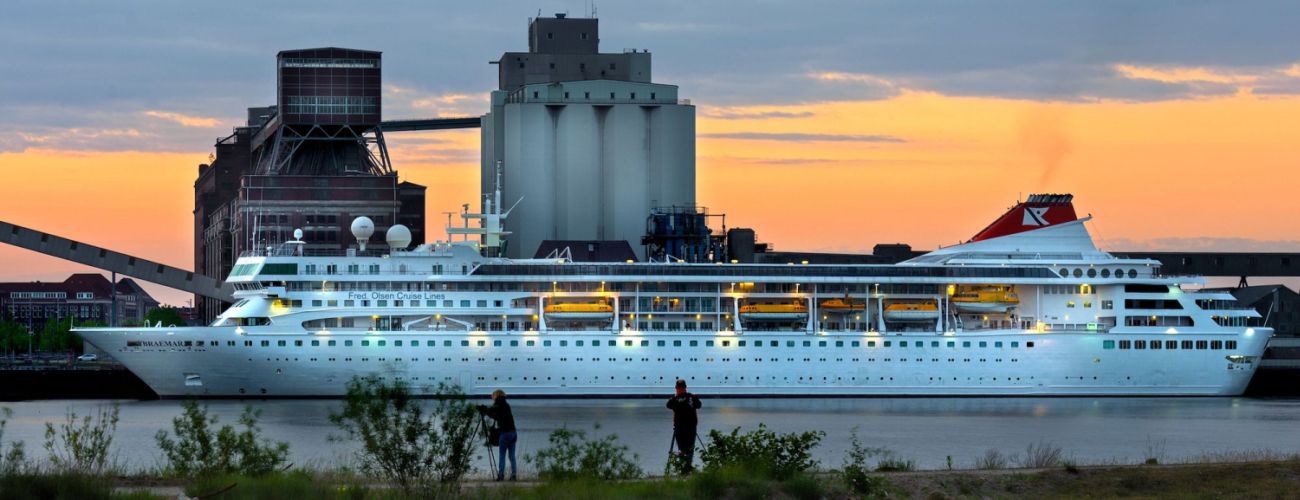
1065,273
1105,273
1132,273
1092,273
1078,273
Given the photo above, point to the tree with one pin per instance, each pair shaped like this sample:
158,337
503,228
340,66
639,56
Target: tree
197,447
12,337
57,336
165,315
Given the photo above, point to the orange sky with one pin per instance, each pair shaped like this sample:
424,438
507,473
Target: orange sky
1219,171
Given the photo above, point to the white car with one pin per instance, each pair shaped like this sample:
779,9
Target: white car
88,357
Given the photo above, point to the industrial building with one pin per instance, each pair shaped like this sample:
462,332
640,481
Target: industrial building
314,161
82,298
587,144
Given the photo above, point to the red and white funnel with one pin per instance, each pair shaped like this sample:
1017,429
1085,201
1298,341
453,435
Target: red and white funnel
1039,211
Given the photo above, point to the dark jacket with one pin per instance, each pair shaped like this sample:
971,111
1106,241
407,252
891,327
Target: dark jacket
683,407
500,411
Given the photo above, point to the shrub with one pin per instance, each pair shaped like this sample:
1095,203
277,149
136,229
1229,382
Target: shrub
856,471
399,442
1041,455
1155,452
14,460
197,450
80,445
764,451
992,460
892,463
570,455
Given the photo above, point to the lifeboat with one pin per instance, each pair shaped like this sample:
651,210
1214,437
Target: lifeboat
841,306
985,299
912,311
774,312
598,311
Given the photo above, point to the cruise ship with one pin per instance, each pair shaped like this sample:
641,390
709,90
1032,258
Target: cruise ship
1027,307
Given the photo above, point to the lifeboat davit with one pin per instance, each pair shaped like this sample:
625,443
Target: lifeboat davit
841,306
774,312
912,312
985,299
590,311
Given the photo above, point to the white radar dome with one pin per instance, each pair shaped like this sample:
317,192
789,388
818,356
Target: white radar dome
362,229
398,237
297,234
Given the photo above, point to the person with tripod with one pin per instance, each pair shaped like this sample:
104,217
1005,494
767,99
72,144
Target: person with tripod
685,419
505,425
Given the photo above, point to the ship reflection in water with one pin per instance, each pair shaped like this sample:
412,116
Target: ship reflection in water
923,429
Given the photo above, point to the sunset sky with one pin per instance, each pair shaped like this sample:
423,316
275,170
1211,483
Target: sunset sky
826,126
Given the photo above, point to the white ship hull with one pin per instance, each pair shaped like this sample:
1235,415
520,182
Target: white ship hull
1058,364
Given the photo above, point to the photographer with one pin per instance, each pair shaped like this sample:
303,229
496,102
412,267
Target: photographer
684,406
505,424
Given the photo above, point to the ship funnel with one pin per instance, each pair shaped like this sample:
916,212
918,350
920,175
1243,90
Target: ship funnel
362,229
1039,211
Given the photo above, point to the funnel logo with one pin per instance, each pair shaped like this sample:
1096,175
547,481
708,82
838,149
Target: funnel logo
1036,216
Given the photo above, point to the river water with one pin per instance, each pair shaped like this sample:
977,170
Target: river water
929,430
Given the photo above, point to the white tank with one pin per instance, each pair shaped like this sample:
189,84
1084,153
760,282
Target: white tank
398,237
362,229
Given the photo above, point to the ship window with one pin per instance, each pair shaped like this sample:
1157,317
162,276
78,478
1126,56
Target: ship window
266,343
807,343
1216,344
1201,344
1171,344
464,303
902,343
934,343
1105,273
1156,344
1125,344
365,343
789,343
382,303
397,303
854,343
1132,273
888,343
677,343
1139,344
515,343
315,303
1078,273
1029,344
1108,344
1232,344
658,343
996,344
952,344
628,343
564,343
382,342
480,343
838,343
297,343
531,343
1065,273
1107,304
984,344
1187,344
331,343
726,343
480,303
965,343
1092,273
740,343
398,343
645,343
1015,345
695,343
1069,303
871,343
465,343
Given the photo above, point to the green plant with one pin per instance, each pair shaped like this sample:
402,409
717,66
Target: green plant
14,460
167,316
857,473
1155,452
198,450
570,454
81,445
399,442
57,336
892,463
761,450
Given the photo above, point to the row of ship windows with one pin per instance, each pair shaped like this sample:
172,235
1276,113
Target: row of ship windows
661,360
1171,344
1092,273
916,344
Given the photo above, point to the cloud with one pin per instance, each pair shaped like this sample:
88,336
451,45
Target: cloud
801,137
860,78
1176,74
727,114
1293,71
184,120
